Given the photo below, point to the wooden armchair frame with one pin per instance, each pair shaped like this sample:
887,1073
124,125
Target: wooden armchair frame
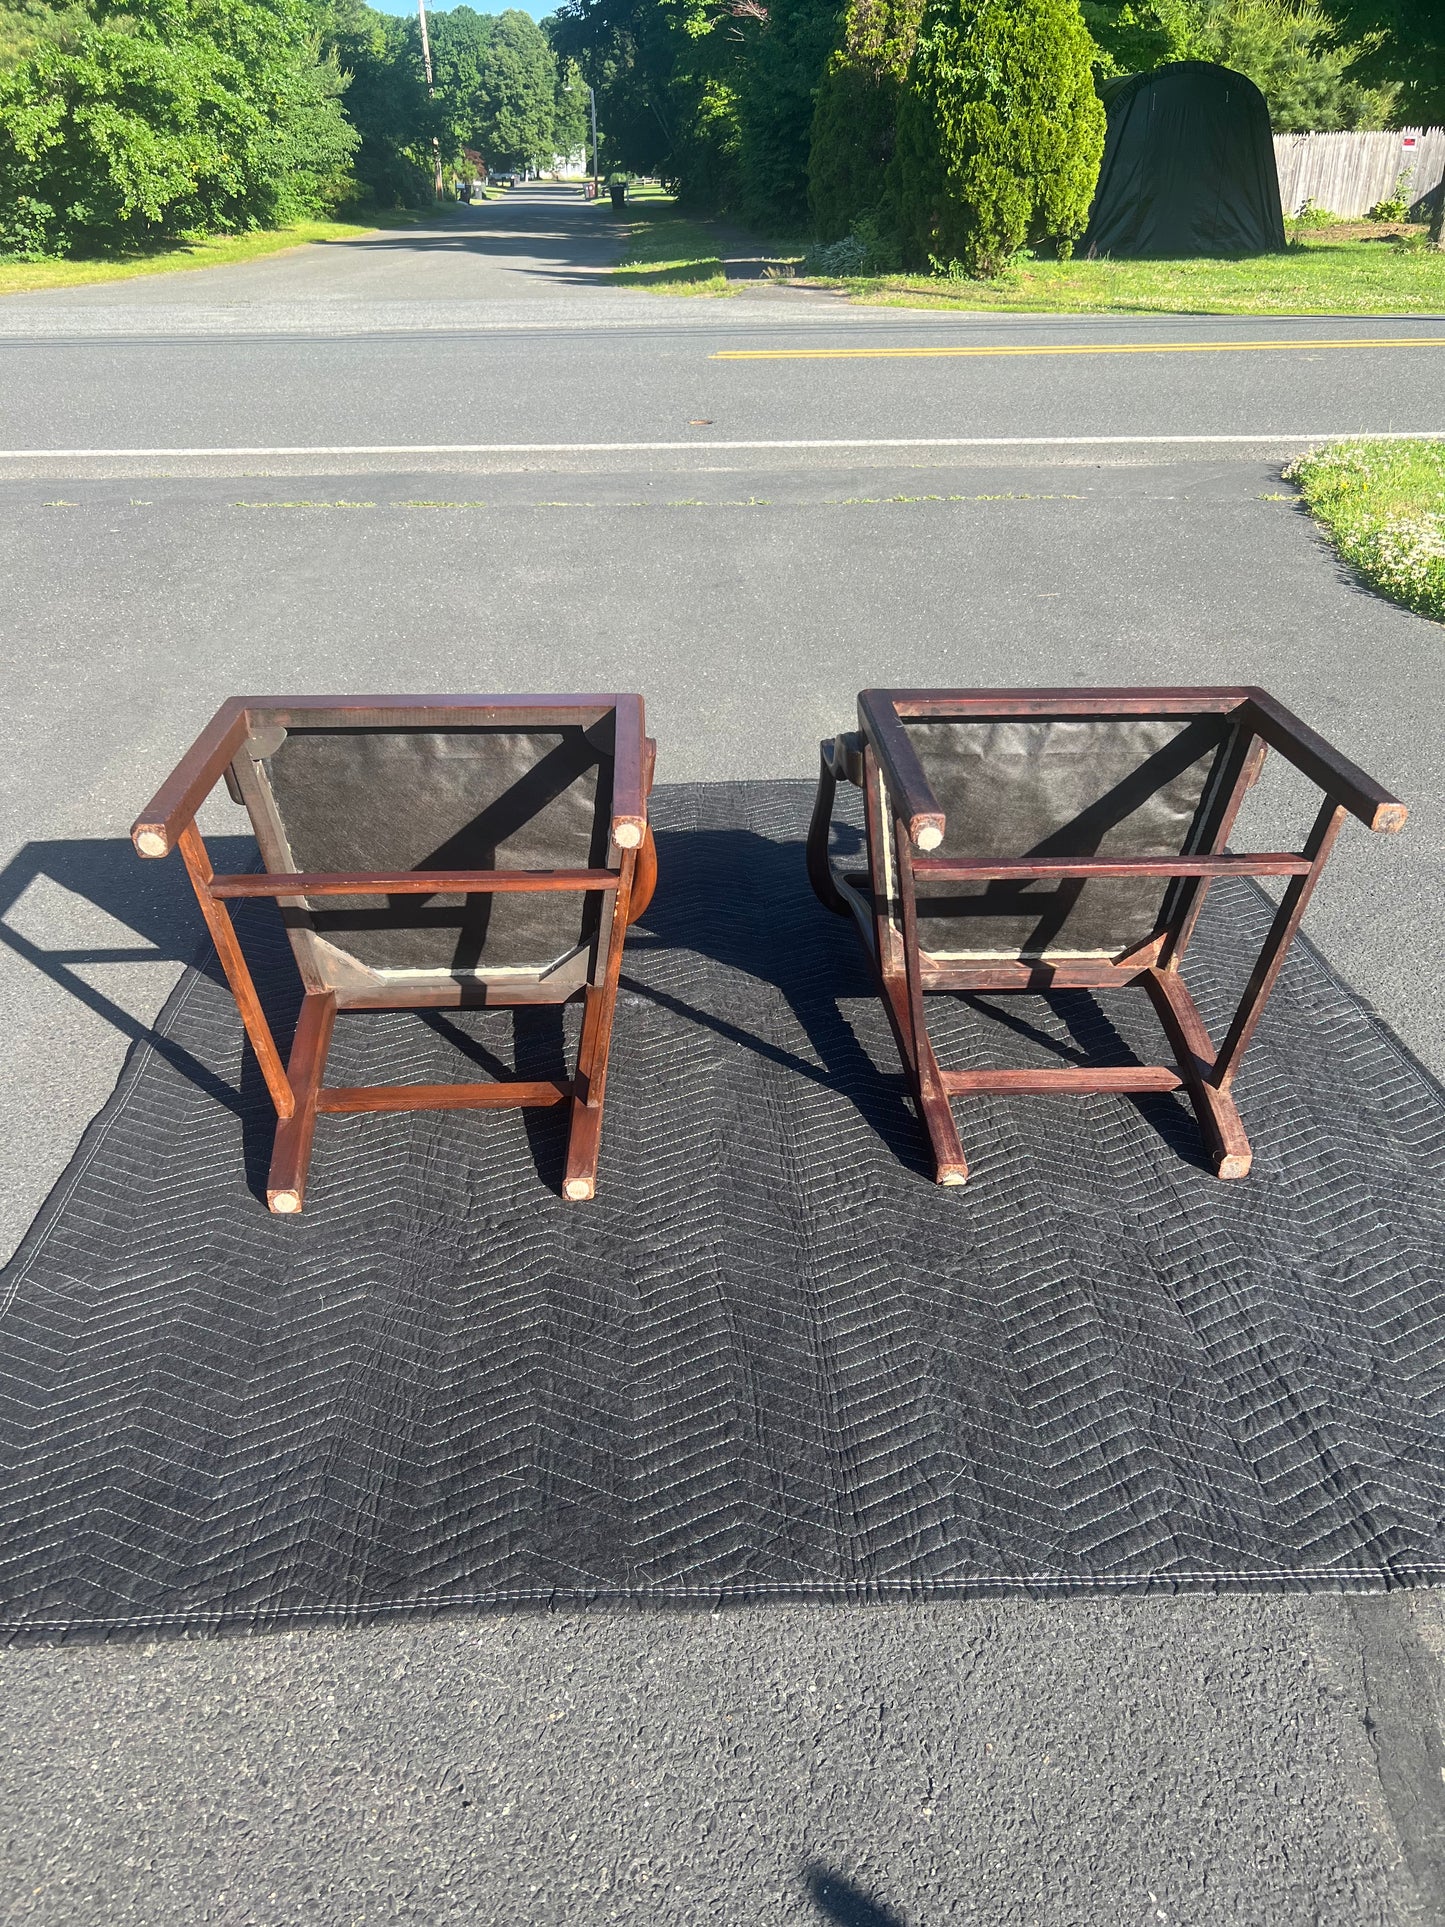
232,745
904,821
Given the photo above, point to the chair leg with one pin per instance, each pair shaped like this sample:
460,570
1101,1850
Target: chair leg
584,1138
579,1181
1220,1124
291,1154
820,870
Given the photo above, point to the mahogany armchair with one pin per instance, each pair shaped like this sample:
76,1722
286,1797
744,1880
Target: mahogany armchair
1049,839
425,852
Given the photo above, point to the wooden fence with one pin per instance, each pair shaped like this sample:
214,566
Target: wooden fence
1349,173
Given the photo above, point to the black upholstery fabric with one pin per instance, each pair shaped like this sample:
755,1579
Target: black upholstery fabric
773,1358
1188,167
1070,787
417,799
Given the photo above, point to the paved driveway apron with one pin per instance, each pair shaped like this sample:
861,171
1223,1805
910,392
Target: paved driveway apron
454,458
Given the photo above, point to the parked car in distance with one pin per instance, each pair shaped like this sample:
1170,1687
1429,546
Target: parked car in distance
504,180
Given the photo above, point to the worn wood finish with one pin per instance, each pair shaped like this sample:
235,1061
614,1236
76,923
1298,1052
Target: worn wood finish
1080,1078
1220,1124
883,900
909,790
238,973
247,728
441,1097
579,1181
414,883
984,869
951,1166
291,1152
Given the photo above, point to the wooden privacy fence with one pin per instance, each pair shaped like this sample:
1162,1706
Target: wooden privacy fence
1349,173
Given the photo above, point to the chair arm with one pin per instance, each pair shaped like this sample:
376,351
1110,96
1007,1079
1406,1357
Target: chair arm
174,805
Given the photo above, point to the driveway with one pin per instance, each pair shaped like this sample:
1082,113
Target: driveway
449,458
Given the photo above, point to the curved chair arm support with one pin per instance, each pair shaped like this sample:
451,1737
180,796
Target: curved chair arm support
820,869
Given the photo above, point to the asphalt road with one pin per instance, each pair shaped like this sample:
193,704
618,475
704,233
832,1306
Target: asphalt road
1267,1760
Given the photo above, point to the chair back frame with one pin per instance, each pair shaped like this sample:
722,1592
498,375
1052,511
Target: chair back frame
238,737
904,822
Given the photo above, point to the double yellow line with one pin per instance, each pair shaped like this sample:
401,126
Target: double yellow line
1077,348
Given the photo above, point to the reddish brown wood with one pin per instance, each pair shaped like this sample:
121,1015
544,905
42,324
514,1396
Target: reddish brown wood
644,881
233,962
175,803
981,704
629,774
579,1180
256,723
1271,959
440,1097
951,1166
416,883
291,1152
910,793
1271,863
905,972
1076,1078
1341,780
1220,1124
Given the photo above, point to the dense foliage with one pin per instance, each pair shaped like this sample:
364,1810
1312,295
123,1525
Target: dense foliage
124,122
1000,133
856,119
142,121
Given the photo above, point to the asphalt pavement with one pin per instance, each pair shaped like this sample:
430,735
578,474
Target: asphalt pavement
1273,1761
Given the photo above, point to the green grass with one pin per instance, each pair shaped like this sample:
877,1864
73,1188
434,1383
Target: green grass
666,251
1311,277
1383,506
216,251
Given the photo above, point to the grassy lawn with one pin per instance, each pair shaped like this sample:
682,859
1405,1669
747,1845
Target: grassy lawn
1383,506
1319,274
217,251
666,251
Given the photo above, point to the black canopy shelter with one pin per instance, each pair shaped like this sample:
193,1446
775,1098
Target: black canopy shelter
1188,167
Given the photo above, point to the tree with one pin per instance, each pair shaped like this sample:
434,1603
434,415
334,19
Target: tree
161,118
1135,36
1400,42
855,124
1284,47
386,101
1000,132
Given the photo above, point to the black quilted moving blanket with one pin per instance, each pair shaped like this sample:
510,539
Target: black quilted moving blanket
772,1360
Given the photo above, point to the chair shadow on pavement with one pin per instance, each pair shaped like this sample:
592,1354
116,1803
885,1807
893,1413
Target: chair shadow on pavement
845,1905
151,900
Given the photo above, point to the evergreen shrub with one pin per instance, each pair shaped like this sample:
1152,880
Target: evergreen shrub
1000,133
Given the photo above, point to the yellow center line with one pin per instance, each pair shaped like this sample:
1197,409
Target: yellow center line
1077,348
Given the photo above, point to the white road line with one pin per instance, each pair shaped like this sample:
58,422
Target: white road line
1273,435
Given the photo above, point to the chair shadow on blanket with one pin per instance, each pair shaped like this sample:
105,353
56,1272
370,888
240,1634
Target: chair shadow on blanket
732,896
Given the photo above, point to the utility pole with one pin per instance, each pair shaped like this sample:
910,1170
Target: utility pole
430,94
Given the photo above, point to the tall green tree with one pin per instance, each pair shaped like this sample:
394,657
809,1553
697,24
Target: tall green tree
1397,43
379,57
855,123
1285,48
158,118
1000,133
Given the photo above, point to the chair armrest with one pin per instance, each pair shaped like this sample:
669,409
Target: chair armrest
631,774
1342,781
908,788
175,803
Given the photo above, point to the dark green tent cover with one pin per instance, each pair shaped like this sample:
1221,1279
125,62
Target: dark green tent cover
1188,167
